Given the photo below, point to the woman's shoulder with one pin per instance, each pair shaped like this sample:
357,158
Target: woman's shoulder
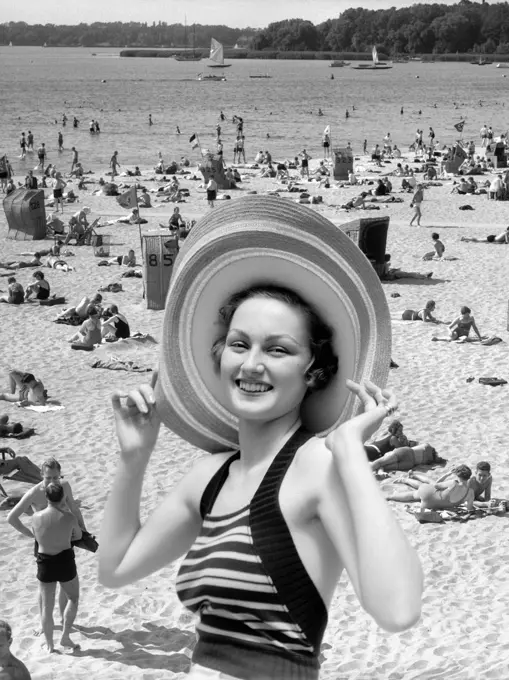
313,458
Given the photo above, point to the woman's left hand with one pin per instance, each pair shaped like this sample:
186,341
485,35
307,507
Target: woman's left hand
377,403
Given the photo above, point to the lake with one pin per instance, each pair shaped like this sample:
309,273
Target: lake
39,85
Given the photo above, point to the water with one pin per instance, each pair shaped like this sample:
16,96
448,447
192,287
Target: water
39,85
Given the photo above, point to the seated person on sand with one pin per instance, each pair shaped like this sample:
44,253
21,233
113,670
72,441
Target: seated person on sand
481,483
144,199
406,458
462,188
176,221
11,668
77,171
441,495
396,153
268,171
128,260
35,262
282,171
230,178
25,388
421,315
40,288
409,183
89,333
78,224
15,293
395,438
82,307
503,237
431,173
357,202
459,329
114,325
439,248
352,178
380,189
321,171
54,262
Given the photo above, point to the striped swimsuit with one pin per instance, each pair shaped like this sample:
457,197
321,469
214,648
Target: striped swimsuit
261,616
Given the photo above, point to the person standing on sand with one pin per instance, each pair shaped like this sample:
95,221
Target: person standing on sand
417,200
35,500
114,165
211,191
30,141
11,668
60,141
54,528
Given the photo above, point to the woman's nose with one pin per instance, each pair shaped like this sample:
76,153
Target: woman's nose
253,362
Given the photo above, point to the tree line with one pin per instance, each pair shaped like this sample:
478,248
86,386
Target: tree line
419,29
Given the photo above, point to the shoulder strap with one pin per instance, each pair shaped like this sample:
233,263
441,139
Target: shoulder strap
274,544
215,485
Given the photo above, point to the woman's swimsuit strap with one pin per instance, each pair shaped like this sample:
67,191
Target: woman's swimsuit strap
215,485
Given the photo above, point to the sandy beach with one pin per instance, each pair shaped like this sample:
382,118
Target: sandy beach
140,632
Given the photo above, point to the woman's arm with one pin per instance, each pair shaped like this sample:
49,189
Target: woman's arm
360,524
454,323
474,326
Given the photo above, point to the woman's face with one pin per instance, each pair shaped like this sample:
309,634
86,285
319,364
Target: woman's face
265,358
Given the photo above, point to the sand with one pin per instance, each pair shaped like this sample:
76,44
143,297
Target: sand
140,631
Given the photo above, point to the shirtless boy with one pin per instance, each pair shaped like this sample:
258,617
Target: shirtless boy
54,528
35,500
11,668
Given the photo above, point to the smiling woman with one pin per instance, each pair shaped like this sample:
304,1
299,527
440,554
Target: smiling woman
268,524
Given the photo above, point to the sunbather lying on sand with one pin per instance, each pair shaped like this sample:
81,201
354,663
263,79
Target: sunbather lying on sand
128,260
56,263
25,388
407,457
421,315
481,483
18,468
441,495
15,264
395,438
81,308
7,428
503,237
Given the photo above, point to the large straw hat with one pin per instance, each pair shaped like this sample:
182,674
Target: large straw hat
266,240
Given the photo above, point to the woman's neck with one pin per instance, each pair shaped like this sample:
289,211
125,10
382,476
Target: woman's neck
260,441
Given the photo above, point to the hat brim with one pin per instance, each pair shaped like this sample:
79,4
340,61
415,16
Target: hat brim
258,240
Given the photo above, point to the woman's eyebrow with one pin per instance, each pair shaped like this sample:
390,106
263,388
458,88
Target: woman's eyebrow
273,336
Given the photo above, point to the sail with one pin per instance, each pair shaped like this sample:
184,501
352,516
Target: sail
216,52
375,55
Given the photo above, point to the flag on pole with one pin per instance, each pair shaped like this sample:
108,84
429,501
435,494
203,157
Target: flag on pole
459,126
128,199
193,141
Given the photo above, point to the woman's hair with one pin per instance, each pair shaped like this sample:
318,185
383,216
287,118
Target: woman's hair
97,298
463,472
113,309
465,310
5,628
37,256
51,464
38,275
435,235
484,466
325,362
395,425
430,304
92,311
11,279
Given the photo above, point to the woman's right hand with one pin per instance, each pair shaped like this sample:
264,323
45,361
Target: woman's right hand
137,421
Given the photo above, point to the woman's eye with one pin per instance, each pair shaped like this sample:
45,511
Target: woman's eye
237,344
278,350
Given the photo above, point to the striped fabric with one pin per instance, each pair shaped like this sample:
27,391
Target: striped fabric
261,616
224,581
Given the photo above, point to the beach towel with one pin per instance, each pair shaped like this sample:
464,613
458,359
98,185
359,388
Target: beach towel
492,340
116,364
493,382
39,408
86,542
74,320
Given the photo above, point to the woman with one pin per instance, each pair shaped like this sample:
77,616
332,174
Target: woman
292,509
40,287
211,191
25,388
176,221
460,328
16,294
114,325
422,315
406,458
58,189
89,333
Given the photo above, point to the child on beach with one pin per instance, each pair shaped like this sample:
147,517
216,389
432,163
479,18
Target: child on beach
11,668
16,294
25,388
441,495
422,315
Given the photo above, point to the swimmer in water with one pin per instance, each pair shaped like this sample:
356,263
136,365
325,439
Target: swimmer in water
178,130
150,119
320,112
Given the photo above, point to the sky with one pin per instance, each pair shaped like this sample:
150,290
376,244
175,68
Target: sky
234,13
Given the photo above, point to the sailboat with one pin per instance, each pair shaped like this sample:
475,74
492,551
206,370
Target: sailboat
187,56
376,65
217,55
10,44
